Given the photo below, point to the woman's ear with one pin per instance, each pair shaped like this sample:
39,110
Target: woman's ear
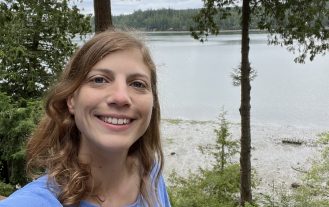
70,103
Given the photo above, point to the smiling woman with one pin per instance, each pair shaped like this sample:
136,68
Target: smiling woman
98,143
113,107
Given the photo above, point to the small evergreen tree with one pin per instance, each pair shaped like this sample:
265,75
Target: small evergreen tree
225,146
215,187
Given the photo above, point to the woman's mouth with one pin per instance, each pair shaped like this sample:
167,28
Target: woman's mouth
115,120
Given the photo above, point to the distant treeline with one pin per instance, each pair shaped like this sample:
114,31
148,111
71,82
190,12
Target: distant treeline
178,20
173,20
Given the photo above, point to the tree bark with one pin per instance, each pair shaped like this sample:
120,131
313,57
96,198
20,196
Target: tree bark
245,164
103,16
5,171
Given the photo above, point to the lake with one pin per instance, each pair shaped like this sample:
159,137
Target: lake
195,81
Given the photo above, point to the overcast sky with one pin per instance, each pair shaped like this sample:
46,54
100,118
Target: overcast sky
129,6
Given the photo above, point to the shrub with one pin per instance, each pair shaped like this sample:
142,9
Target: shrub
17,120
6,189
215,187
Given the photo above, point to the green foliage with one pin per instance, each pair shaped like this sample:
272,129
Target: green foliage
236,75
216,187
249,205
301,25
225,147
295,21
278,196
35,43
208,18
314,188
36,40
211,188
157,20
6,189
173,20
17,120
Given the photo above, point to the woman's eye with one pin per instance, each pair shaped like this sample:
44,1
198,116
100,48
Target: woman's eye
138,84
99,80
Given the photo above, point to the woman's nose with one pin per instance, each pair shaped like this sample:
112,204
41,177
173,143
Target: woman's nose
119,95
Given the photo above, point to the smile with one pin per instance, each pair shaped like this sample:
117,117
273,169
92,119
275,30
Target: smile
115,121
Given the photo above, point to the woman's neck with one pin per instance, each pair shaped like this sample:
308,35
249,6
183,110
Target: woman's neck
115,178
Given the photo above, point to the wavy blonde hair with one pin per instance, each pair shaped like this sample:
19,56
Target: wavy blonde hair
53,148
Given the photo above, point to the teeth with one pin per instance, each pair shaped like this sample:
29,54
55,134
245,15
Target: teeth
116,121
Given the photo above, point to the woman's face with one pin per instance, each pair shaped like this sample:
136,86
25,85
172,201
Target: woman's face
113,107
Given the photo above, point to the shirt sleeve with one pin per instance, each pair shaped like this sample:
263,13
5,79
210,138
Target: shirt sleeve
162,193
34,194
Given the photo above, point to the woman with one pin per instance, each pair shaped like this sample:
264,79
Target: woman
98,143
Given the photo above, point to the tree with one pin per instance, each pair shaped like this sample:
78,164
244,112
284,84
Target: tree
217,186
103,16
301,25
17,120
36,39
286,18
205,26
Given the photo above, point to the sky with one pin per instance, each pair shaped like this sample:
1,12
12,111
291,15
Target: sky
129,6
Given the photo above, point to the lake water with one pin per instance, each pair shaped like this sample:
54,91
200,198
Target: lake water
195,81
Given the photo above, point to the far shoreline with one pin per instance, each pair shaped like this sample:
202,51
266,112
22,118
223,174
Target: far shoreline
253,123
252,31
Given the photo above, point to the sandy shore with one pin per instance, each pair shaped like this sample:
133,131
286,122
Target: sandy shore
274,161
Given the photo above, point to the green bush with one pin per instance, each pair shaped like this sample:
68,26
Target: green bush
211,188
17,120
215,187
6,189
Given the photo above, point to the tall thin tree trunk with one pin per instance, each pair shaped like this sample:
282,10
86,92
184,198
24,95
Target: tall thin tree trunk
103,16
5,171
245,177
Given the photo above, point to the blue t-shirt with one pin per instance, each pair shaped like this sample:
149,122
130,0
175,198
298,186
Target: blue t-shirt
37,194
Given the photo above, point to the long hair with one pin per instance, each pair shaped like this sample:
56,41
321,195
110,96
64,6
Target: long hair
54,146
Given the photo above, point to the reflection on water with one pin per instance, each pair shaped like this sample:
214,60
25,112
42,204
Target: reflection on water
195,82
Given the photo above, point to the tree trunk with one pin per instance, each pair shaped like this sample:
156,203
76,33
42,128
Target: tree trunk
245,177
4,171
103,16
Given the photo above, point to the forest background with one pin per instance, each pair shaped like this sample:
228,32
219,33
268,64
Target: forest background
174,20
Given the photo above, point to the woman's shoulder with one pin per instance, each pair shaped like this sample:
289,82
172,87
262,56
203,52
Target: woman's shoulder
156,176
34,194
162,193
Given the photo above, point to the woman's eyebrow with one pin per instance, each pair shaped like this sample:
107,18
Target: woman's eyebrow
140,75
103,70
109,71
